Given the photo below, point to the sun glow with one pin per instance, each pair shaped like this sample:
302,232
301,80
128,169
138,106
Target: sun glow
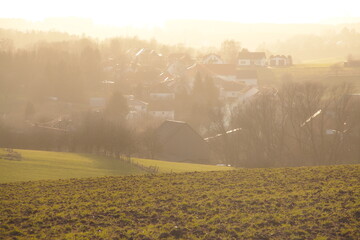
156,12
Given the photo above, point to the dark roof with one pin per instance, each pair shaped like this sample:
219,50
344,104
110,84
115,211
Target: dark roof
179,142
246,74
169,128
244,54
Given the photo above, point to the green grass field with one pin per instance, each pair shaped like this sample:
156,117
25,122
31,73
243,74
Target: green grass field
177,167
279,203
41,165
38,165
321,73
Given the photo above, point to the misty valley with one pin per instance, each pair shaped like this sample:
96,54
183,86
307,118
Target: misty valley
233,133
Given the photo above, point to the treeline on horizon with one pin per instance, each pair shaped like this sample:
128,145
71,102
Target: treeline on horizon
303,42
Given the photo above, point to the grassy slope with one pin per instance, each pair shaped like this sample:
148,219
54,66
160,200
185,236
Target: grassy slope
176,167
310,72
38,165
284,203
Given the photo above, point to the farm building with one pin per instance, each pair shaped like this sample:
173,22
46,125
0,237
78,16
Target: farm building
212,59
162,109
225,72
280,60
249,77
247,59
180,143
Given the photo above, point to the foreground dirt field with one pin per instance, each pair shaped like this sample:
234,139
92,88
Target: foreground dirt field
286,203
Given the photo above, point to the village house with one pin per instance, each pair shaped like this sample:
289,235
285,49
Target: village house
178,63
148,57
136,107
280,60
247,94
251,59
249,77
176,69
226,72
161,101
162,110
179,142
232,90
212,59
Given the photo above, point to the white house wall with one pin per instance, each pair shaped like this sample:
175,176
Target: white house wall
248,81
230,94
162,96
140,108
246,96
244,62
212,59
170,115
277,60
248,62
230,78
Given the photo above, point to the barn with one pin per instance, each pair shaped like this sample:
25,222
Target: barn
179,142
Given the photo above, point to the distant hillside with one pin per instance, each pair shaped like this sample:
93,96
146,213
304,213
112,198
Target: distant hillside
193,33
284,203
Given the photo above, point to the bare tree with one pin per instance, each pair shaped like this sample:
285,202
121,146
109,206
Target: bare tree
301,124
258,121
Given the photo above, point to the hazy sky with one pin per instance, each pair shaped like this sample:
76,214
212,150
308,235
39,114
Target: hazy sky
150,12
